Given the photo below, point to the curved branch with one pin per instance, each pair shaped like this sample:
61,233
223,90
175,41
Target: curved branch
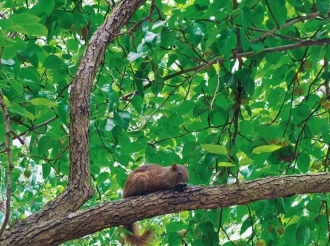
84,222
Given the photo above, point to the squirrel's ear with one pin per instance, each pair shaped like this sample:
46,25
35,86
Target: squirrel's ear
174,167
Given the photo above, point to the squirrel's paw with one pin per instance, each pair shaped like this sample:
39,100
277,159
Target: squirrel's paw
180,187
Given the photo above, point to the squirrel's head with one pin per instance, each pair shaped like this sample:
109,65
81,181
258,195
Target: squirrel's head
180,174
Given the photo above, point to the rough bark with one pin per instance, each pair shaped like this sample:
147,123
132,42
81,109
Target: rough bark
81,223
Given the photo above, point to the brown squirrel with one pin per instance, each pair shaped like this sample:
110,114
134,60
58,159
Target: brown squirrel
151,178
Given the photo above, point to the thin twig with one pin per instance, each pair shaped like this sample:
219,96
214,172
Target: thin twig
170,94
34,128
326,80
288,24
216,89
138,24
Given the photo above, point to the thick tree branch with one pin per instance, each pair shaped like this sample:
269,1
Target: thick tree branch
78,224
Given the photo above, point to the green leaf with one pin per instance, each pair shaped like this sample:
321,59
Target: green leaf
135,146
122,119
212,36
63,111
7,102
265,149
322,221
6,42
24,18
19,110
245,162
175,226
47,6
279,204
290,235
214,149
207,228
226,164
186,107
72,45
52,62
245,41
279,11
137,103
4,84
102,177
173,238
35,29
167,37
323,5
66,20
43,101
17,86
303,162
2,132
45,143
314,204
303,234
257,47
303,110
245,225
5,24
195,34
258,16
180,1
46,168
246,18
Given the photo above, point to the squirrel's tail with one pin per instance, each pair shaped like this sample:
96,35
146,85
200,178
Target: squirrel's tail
136,239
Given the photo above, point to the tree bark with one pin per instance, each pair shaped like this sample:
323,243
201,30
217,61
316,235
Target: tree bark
81,223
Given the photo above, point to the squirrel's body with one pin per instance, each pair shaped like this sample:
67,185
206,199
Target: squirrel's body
151,178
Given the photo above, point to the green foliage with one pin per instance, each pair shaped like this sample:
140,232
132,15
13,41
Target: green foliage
161,97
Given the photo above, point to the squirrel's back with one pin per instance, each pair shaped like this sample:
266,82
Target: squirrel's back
152,177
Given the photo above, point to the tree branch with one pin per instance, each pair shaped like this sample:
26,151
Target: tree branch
10,162
288,24
84,222
235,56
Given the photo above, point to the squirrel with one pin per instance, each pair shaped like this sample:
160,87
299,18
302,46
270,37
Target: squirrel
151,178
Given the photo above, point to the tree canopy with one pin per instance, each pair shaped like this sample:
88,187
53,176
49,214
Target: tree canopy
236,90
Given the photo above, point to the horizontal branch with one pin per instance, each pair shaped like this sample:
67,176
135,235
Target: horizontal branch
288,24
84,222
221,60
